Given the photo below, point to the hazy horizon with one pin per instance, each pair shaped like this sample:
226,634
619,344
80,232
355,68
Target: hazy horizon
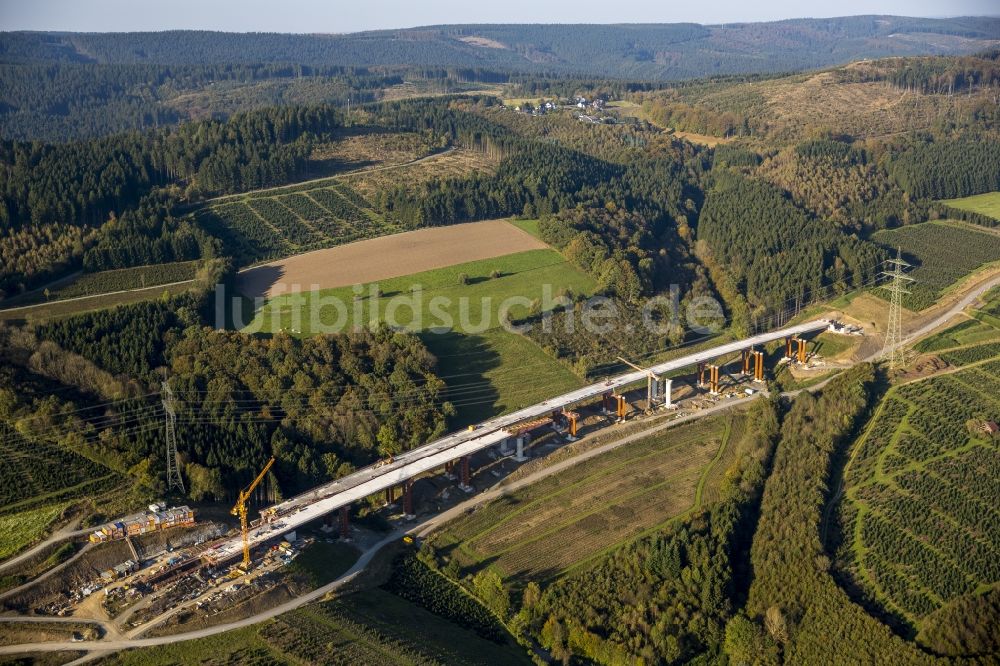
312,17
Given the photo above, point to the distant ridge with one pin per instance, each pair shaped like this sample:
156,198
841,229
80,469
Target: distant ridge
637,51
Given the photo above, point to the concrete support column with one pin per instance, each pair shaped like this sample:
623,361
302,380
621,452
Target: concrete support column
390,493
408,498
713,379
519,457
758,370
606,402
466,483
745,359
667,385
802,351
701,374
345,523
788,348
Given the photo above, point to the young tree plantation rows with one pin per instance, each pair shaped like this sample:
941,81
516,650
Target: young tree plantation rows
921,501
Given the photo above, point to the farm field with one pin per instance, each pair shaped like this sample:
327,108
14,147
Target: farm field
67,307
487,368
567,519
472,307
919,518
387,257
370,627
90,284
985,204
19,530
942,253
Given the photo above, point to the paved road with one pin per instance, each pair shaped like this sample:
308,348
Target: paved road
953,311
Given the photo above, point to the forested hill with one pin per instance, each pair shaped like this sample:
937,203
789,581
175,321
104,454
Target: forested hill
646,51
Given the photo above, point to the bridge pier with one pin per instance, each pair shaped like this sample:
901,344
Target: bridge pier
788,348
745,361
390,495
572,418
713,379
620,412
606,403
519,455
801,350
661,393
701,374
345,523
408,499
466,484
758,367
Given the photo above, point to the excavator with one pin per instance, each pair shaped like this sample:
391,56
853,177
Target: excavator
241,510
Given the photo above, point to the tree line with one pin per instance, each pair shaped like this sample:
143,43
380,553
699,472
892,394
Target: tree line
321,406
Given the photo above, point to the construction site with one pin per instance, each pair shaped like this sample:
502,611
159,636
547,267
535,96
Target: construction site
153,572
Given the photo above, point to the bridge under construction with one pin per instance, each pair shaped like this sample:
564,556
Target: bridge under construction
508,432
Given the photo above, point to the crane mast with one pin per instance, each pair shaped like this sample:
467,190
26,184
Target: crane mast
241,510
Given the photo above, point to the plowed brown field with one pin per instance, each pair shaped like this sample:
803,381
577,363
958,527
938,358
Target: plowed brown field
387,257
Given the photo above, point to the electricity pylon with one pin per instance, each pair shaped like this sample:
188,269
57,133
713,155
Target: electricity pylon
173,469
892,350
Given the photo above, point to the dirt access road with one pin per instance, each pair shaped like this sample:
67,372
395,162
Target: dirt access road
387,257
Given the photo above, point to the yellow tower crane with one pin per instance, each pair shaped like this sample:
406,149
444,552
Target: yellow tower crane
241,510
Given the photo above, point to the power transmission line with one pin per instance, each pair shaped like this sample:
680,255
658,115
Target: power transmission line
892,350
173,469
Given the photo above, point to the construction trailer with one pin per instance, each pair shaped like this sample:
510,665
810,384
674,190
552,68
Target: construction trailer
144,523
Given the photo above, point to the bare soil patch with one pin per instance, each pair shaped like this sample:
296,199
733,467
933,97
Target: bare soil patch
484,42
387,257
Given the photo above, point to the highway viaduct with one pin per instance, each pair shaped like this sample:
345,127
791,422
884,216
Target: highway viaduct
455,448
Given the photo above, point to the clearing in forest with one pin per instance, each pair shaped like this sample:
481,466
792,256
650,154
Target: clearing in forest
985,204
387,257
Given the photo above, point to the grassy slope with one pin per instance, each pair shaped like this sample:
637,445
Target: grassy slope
19,530
102,282
489,370
985,204
566,520
67,308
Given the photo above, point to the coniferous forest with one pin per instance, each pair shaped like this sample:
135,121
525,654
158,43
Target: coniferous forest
143,171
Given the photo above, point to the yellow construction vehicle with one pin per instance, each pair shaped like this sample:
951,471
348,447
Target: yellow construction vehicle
241,510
